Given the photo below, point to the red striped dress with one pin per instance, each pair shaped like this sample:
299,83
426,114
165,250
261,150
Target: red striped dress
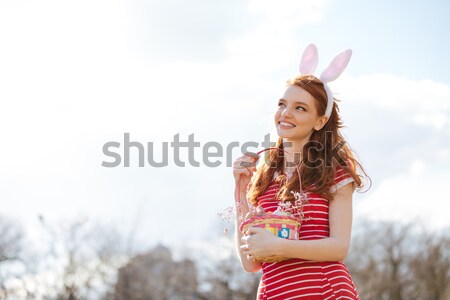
305,279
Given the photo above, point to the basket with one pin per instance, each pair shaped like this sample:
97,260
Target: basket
281,226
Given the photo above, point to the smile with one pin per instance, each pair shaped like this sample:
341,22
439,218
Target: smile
287,125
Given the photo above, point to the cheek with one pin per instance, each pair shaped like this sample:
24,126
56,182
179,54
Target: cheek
277,114
307,121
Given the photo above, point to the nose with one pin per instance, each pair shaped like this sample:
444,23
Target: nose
286,112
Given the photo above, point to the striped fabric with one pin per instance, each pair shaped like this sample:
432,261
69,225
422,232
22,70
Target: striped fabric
303,279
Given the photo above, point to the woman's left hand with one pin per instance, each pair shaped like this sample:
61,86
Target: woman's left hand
258,243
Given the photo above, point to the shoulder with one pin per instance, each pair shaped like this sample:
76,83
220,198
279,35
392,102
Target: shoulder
341,178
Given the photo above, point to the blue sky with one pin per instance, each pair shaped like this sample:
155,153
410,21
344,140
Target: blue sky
75,75
403,38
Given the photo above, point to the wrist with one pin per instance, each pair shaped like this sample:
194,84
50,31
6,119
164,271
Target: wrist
240,216
243,193
279,246
242,208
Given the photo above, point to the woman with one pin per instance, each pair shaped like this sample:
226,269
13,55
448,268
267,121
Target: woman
308,125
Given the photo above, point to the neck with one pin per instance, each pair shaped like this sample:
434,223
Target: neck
293,152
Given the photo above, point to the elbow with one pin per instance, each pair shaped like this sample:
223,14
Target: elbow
338,250
341,256
252,268
341,252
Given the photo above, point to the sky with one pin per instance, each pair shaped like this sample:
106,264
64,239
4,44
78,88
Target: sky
75,75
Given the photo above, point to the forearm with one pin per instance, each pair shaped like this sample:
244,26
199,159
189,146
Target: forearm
241,211
247,265
326,249
332,248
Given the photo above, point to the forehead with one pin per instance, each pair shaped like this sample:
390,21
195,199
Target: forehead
295,93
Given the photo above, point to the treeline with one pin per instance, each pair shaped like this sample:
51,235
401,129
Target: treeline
400,261
82,260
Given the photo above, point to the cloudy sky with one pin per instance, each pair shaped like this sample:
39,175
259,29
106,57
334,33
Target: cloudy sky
75,75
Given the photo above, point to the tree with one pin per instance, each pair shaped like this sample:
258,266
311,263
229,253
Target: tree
11,237
11,245
155,275
83,257
378,260
222,275
228,280
400,261
431,266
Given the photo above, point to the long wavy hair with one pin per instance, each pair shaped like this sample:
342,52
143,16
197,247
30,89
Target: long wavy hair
323,154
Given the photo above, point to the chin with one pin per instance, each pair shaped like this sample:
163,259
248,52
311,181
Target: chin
285,136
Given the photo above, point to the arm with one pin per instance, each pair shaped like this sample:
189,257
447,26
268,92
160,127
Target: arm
332,248
247,264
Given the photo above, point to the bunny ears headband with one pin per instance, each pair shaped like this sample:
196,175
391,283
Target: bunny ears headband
308,65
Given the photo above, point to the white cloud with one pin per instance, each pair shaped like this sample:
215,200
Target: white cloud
415,196
424,102
272,46
401,128
289,14
177,30
391,121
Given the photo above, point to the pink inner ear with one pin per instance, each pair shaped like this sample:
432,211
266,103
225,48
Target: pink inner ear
337,66
310,58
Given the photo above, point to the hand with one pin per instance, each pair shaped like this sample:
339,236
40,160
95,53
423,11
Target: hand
258,243
243,169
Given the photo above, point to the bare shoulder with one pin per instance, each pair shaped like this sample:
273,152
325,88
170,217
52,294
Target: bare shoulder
344,193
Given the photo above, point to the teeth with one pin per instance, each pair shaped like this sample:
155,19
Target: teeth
286,124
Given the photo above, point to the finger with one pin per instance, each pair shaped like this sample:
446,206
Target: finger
249,215
242,171
240,164
244,166
255,156
254,230
247,163
242,161
244,248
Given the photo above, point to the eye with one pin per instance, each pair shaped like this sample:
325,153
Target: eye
280,104
300,108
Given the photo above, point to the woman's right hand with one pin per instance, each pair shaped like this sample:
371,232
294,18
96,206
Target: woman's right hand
243,168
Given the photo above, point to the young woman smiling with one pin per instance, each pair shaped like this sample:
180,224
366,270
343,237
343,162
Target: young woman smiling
308,125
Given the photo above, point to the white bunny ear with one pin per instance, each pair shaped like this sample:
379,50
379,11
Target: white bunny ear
337,66
310,58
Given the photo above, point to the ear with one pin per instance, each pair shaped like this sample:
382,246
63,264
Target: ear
310,58
321,121
337,66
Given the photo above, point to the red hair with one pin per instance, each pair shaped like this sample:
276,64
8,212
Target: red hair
319,176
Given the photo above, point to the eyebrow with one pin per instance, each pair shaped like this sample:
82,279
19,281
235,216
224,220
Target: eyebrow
296,102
